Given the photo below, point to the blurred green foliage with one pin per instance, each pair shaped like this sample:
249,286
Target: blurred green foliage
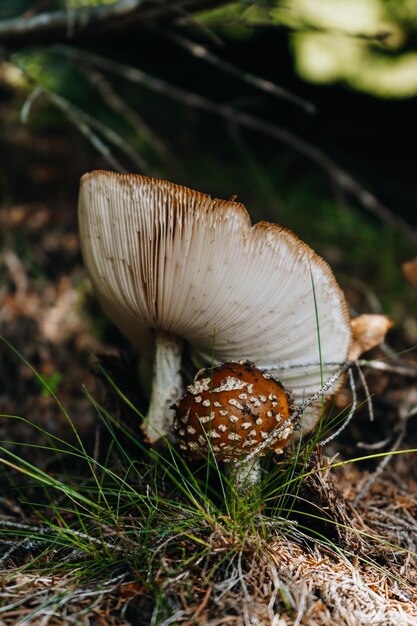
368,44
14,8
50,384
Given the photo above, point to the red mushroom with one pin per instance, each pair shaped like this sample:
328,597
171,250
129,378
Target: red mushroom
230,409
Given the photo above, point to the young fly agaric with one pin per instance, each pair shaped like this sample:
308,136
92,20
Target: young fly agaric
234,406
164,257
229,410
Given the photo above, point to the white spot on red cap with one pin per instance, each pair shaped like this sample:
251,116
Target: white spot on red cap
248,442
236,404
198,386
230,383
206,418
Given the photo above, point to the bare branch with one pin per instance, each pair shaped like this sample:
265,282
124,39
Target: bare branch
66,23
69,24
404,369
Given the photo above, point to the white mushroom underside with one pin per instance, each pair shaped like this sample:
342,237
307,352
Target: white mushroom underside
163,256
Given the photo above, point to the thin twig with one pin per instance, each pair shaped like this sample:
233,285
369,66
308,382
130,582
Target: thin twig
349,416
228,113
403,370
369,481
85,122
78,122
242,578
120,106
368,393
373,446
201,52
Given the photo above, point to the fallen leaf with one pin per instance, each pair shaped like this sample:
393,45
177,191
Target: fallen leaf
368,331
409,269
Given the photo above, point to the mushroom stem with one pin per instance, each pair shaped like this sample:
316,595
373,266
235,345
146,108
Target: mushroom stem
245,477
166,385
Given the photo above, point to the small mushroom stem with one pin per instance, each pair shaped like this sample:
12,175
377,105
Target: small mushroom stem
166,385
245,477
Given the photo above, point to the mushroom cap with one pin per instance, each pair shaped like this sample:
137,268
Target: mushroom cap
233,406
164,256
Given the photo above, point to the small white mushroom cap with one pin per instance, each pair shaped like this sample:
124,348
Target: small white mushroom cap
163,256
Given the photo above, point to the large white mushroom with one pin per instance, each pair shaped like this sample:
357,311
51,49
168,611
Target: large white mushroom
177,263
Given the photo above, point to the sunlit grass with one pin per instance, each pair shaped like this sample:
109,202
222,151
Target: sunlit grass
142,515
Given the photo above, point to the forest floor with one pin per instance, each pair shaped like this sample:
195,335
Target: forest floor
93,531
